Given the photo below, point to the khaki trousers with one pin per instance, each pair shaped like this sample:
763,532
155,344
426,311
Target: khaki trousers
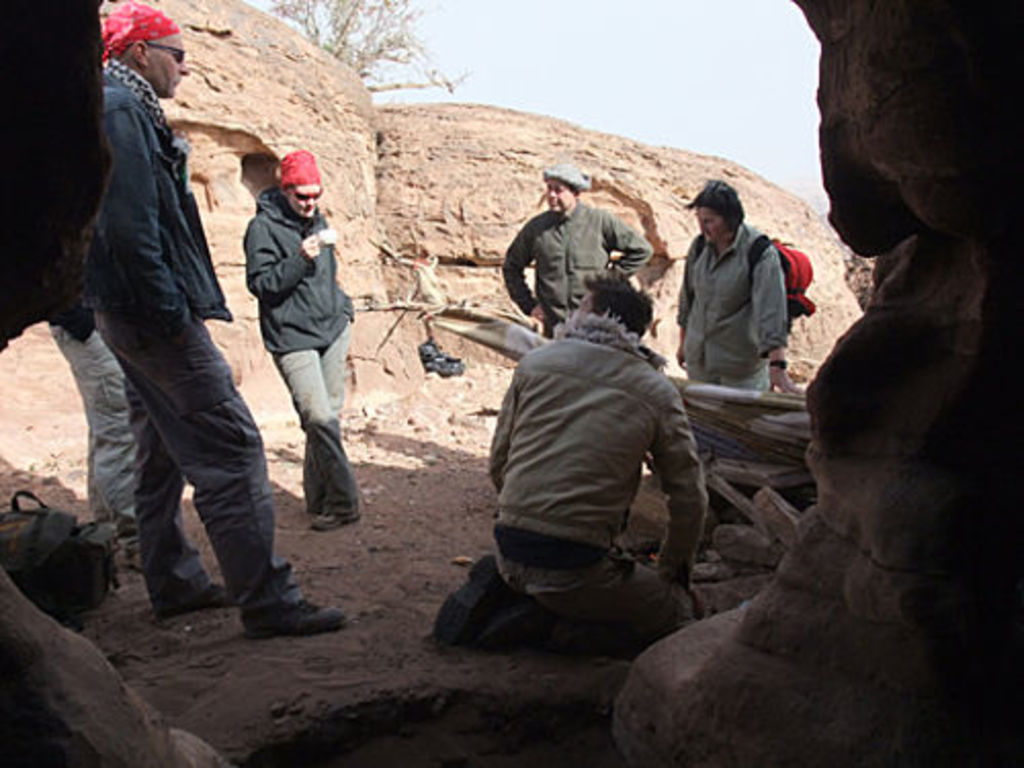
613,590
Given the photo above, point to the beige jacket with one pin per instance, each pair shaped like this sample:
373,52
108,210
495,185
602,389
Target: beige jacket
575,425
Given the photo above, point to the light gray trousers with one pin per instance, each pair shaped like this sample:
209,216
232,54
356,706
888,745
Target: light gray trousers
111,457
316,381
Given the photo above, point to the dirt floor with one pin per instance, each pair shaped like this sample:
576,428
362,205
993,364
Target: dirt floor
380,692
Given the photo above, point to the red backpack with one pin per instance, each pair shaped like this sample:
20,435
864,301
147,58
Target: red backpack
797,273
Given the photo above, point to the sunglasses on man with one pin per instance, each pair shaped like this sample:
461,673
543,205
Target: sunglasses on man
177,53
305,198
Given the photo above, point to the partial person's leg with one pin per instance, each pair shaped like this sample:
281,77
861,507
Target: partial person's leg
174,573
342,490
208,432
111,458
618,592
301,373
317,392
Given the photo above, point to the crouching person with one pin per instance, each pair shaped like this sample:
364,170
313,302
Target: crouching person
579,418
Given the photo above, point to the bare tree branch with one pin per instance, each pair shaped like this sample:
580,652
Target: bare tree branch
373,37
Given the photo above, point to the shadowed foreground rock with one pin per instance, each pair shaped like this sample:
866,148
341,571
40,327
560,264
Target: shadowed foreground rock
54,168
62,704
892,632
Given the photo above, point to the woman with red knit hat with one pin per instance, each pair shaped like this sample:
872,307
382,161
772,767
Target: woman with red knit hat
305,319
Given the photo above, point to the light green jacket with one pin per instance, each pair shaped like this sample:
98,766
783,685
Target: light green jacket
574,428
732,318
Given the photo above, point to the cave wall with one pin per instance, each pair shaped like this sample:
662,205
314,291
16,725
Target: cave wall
892,633
55,158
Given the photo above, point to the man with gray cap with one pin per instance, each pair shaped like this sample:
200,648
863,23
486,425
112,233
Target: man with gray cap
568,243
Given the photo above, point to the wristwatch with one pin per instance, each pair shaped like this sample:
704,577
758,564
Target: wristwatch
777,364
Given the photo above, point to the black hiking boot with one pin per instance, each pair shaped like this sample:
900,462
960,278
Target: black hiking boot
214,596
525,623
303,619
468,609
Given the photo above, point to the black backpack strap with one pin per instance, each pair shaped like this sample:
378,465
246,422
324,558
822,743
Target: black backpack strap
756,253
686,272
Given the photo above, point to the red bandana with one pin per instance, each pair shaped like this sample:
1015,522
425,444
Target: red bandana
132,22
299,169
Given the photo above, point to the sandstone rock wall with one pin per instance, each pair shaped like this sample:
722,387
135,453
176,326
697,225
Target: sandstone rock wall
458,181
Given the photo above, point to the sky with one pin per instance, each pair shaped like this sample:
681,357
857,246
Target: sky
731,78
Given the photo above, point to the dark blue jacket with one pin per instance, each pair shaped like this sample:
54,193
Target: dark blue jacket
301,305
149,258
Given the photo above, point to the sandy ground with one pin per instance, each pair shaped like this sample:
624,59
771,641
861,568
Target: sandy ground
381,692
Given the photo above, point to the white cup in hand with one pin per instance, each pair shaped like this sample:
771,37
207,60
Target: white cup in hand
328,236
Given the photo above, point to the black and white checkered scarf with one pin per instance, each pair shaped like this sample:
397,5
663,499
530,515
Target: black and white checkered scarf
138,85
144,92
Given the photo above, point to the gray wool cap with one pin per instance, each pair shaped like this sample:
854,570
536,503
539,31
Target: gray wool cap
567,173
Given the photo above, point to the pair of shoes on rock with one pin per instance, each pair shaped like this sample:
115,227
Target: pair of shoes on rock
436,361
329,521
214,596
302,619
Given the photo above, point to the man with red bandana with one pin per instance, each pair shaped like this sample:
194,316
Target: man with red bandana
305,319
151,283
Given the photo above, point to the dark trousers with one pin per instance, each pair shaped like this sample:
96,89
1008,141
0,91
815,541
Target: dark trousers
190,423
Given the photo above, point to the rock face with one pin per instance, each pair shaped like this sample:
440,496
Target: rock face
62,703
55,168
891,633
458,181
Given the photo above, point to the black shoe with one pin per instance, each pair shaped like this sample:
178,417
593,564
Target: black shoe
214,596
329,521
303,619
526,623
468,609
441,363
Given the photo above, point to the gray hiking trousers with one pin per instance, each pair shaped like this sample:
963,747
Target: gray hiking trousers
190,423
111,458
316,381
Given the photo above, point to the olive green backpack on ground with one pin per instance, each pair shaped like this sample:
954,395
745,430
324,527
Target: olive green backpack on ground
61,566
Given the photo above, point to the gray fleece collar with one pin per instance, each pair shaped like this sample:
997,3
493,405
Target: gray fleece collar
602,329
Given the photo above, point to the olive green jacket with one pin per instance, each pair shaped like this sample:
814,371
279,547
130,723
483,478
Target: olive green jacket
579,417
566,250
732,317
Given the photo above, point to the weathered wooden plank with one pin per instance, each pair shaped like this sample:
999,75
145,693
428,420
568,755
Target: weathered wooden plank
781,517
760,474
738,499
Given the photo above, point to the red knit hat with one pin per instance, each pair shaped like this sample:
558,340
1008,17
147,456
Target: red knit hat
299,169
132,22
